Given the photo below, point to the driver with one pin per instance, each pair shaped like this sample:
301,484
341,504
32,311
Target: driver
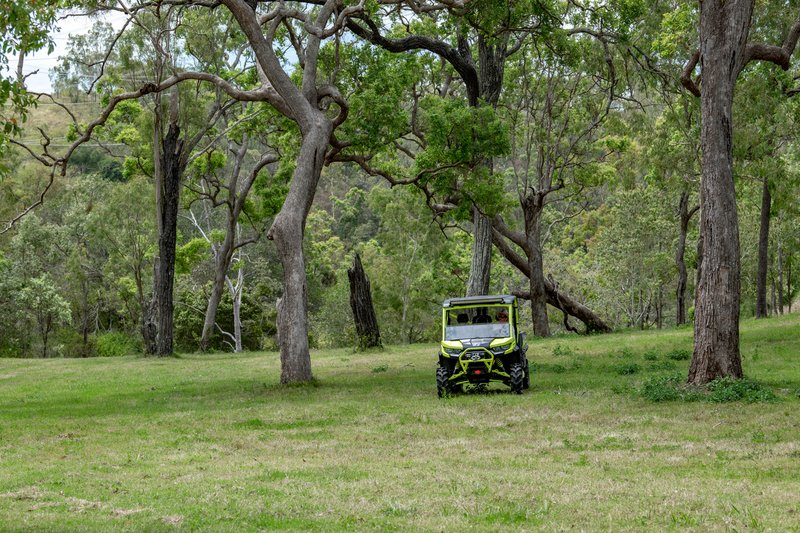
502,315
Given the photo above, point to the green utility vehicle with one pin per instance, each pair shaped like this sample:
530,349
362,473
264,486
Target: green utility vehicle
481,344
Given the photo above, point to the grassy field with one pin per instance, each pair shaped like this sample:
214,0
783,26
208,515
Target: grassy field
212,442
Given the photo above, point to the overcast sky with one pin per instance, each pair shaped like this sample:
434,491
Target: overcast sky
42,61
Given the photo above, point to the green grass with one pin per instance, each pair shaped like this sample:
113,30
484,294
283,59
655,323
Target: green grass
213,442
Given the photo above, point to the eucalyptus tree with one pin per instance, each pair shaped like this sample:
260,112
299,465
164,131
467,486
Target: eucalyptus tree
724,52
496,31
673,154
765,128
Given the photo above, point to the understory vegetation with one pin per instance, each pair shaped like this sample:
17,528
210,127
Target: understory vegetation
213,442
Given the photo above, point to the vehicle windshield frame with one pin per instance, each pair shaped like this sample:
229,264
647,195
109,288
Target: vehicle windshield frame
481,322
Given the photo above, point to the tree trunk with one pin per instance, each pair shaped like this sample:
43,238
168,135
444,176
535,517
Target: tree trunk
660,307
780,279
532,206
172,165
222,261
491,62
287,232
149,308
481,267
723,35
236,296
763,252
555,297
774,308
85,316
789,282
366,323
680,252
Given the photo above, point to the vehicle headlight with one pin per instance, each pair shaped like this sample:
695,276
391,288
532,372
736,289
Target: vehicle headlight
452,351
498,350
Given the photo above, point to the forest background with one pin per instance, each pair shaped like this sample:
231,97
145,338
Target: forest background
565,126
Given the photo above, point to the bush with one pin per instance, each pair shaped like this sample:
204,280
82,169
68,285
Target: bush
672,388
650,355
628,368
679,355
116,344
562,350
625,353
73,345
738,390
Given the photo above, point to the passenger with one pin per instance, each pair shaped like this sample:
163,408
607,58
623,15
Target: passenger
502,316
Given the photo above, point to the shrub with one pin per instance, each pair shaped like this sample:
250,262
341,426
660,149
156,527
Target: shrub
735,390
672,388
628,368
116,344
662,389
562,350
650,355
625,353
679,355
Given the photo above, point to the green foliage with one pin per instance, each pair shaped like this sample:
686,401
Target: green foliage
628,369
679,355
738,390
188,255
722,390
117,344
665,389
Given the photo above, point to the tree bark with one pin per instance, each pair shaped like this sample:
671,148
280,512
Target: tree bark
763,252
222,261
172,165
236,298
149,325
789,282
685,215
491,63
287,232
366,322
481,266
532,207
774,308
724,27
780,279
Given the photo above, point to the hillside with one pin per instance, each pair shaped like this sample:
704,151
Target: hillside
214,443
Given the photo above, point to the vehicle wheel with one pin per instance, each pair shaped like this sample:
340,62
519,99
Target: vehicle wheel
517,374
442,386
526,382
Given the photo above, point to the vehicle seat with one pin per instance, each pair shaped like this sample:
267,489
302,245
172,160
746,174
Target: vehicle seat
462,318
482,319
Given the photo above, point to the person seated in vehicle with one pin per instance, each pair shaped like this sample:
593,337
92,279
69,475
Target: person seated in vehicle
462,318
482,319
502,315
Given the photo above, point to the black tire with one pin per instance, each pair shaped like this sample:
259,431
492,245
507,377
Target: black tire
526,382
442,386
517,374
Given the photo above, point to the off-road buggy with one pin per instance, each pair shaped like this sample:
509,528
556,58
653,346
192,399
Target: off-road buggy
481,344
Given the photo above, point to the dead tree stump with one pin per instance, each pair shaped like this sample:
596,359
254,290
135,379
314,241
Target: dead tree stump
361,302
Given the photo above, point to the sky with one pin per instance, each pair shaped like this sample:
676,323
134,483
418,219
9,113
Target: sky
42,62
